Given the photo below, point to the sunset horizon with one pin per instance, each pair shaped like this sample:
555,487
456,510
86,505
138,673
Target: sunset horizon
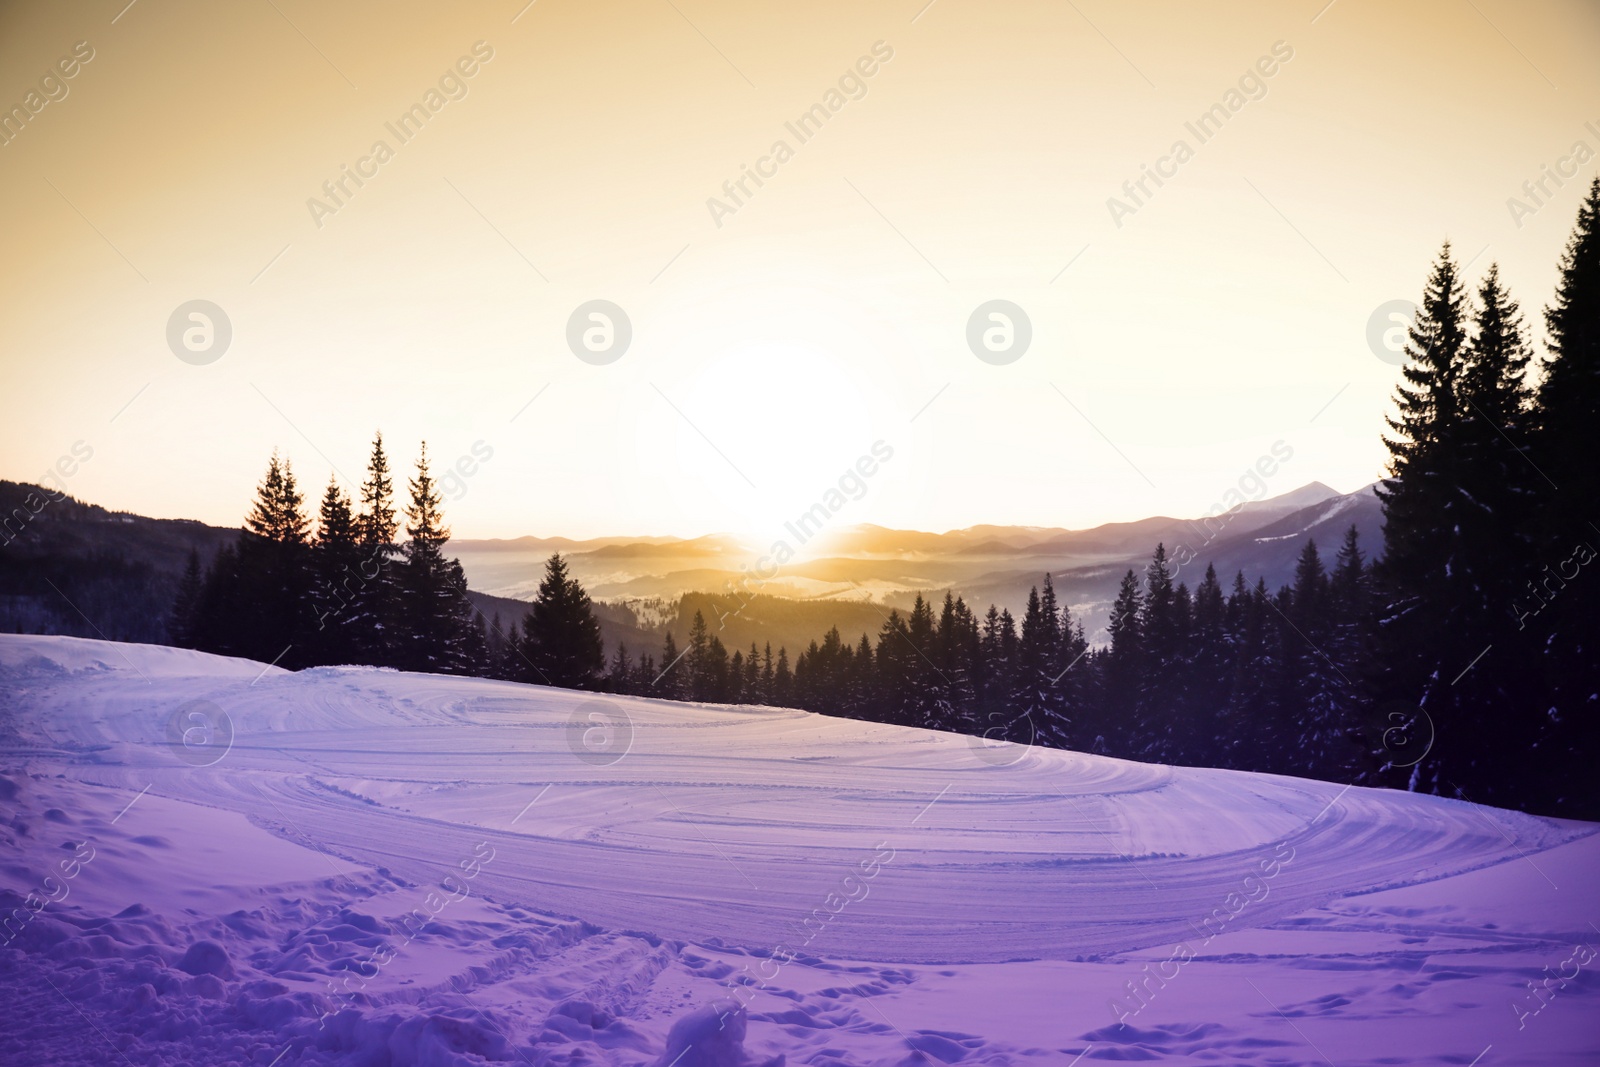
685,533
828,302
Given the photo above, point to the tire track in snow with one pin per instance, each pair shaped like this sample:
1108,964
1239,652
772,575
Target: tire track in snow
1059,856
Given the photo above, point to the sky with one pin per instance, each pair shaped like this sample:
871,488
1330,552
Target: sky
578,152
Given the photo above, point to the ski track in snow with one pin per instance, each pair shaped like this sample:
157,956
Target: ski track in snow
253,911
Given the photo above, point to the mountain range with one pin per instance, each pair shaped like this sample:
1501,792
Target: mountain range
76,568
985,564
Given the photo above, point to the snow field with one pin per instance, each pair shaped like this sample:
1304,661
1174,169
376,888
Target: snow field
349,865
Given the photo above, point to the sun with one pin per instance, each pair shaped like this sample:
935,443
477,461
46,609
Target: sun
788,418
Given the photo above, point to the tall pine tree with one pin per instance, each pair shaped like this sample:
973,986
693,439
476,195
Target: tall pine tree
560,634
1556,607
272,619
436,626
374,605
336,580
1422,507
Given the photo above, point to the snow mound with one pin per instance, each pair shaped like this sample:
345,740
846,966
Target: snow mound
710,1036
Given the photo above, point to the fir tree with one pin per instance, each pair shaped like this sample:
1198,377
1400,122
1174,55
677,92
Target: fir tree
1276,728
863,682
1317,676
1158,706
1006,667
437,629
670,684
1569,395
561,633
620,678
1037,649
735,687
957,644
754,692
278,515
717,668
271,619
336,580
782,679
374,605
991,675
1207,696
1566,527
183,623
897,673
377,523
509,664
1349,643
697,659
1124,667
928,697
1074,684
1423,509
1498,485
1241,744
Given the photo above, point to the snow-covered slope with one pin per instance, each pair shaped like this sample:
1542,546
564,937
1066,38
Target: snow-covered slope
214,861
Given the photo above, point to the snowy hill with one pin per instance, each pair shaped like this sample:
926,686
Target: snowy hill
216,861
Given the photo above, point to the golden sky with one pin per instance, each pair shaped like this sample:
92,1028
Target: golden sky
570,153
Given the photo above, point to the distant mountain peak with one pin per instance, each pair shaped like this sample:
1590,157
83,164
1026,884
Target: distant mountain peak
1306,495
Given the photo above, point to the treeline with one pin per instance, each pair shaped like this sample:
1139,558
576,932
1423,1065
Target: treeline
355,591
1247,679
64,563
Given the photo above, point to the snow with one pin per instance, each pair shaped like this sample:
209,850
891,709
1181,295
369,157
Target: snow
1335,508
209,861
